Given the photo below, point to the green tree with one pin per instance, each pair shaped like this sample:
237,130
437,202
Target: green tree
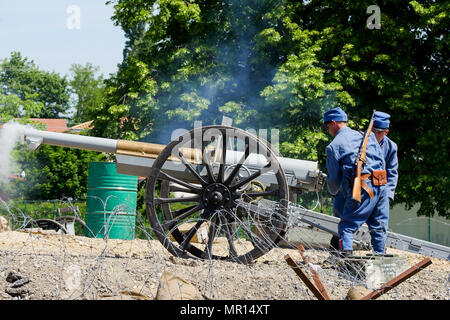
401,68
280,64
53,172
199,60
88,91
27,91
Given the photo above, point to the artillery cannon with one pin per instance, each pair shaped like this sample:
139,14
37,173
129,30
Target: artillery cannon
213,176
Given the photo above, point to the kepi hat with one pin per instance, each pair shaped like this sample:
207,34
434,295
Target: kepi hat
336,114
381,121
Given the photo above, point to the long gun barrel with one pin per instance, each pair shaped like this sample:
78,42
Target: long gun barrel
360,160
136,158
35,138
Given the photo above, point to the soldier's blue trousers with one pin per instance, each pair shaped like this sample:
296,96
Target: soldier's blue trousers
373,211
338,204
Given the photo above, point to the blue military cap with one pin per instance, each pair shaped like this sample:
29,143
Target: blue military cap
336,114
381,120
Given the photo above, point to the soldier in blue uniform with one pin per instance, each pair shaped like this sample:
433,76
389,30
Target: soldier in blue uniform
389,148
380,129
341,158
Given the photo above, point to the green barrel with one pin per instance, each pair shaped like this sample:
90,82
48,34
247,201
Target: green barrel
110,203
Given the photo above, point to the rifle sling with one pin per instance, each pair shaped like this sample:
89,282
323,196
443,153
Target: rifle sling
366,176
365,186
362,157
368,189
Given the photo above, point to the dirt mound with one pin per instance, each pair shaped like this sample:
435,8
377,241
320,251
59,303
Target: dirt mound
38,265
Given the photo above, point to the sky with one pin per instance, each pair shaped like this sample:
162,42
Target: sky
58,33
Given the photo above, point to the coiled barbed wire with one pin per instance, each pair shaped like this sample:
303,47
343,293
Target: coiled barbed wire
133,268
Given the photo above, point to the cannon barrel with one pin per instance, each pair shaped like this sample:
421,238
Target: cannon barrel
136,158
35,138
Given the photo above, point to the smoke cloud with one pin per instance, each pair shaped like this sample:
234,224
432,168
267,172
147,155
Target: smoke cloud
9,136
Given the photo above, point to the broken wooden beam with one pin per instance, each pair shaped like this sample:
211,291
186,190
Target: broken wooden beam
315,276
302,275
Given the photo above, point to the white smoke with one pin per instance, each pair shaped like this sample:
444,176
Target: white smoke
10,135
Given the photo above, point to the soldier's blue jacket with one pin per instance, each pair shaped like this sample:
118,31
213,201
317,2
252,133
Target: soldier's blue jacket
341,157
389,149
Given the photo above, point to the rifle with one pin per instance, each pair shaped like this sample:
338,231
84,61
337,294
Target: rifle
360,160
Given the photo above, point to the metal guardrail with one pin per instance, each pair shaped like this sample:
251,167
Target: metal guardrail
393,240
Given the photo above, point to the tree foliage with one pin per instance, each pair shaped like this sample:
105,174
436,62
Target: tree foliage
268,64
88,91
401,68
54,172
200,60
27,91
281,64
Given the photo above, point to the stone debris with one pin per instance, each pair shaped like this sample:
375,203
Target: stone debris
17,281
4,224
66,267
172,287
357,293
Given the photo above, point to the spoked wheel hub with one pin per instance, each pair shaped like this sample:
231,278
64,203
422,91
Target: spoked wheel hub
217,196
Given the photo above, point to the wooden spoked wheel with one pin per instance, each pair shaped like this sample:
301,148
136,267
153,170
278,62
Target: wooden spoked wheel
197,208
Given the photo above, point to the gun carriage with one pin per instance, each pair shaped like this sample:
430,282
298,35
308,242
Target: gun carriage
212,176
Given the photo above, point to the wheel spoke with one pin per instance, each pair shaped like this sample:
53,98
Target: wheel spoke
191,169
249,178
258,194
179,189
207,163
229,235
240,163
194,229
190,234
220,178
211,234
165,176
181,214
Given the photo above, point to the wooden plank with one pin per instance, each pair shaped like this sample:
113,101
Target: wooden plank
398,279
302,275
315,276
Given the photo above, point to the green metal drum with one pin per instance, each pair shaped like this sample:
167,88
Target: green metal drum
111,202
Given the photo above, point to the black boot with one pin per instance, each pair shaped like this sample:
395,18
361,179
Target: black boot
334,243
345,253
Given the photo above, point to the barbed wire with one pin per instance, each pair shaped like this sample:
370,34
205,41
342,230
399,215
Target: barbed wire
50,264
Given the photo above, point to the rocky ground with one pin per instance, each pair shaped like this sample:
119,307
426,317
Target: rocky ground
49,266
